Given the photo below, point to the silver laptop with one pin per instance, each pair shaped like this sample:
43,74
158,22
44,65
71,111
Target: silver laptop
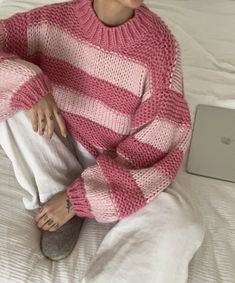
212,148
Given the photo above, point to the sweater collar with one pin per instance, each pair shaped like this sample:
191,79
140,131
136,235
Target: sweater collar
114,37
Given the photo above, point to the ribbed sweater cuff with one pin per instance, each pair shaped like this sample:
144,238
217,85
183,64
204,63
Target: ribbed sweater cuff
31,92
77,196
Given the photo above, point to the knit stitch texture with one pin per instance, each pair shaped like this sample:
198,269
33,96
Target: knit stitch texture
120,90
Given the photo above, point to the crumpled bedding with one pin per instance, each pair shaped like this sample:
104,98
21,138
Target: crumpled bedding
204,30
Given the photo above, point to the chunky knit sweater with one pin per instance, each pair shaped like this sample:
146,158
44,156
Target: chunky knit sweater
119,89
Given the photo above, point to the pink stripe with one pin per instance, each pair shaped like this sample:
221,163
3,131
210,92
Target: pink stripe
97,192
182,138
161,134
151,181
20,71
16,38
118,70
27,84
91,109
142,155
175,109
78,136
82,82
170,165
22,74
8,70
97,135
124,192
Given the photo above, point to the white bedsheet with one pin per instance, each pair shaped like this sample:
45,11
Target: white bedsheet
205,31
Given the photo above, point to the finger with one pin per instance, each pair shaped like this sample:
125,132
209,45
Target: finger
42,122
48,224
50,123
60,121
34,119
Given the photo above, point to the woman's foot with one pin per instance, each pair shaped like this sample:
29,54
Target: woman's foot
60,227
55,212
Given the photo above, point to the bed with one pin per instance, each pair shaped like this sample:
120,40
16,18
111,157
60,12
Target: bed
204,30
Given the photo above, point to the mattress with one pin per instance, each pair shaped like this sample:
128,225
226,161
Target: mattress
204,30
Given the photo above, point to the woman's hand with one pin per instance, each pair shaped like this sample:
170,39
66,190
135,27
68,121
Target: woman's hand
56,212
44,113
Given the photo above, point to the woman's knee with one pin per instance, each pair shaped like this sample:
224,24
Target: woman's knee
190,223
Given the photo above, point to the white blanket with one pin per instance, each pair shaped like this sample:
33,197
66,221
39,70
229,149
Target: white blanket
204,29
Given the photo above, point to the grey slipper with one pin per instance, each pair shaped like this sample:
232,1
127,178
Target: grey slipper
59,244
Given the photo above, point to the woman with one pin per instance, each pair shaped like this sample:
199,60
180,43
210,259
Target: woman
108,73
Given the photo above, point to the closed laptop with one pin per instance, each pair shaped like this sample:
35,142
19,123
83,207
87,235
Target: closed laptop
212,147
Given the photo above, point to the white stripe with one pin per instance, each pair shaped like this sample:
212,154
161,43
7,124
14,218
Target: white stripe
116,69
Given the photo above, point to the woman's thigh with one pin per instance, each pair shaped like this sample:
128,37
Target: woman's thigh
42,167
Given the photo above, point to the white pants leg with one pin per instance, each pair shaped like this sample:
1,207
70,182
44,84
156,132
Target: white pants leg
41,167
153,245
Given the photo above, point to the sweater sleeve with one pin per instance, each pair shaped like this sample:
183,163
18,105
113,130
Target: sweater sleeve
146,161
22,83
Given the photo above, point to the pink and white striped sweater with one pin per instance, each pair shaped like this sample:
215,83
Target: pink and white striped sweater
120,91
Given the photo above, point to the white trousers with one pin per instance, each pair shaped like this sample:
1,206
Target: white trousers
42,167
155,244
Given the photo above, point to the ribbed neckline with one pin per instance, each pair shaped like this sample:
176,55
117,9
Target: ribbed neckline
114,37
